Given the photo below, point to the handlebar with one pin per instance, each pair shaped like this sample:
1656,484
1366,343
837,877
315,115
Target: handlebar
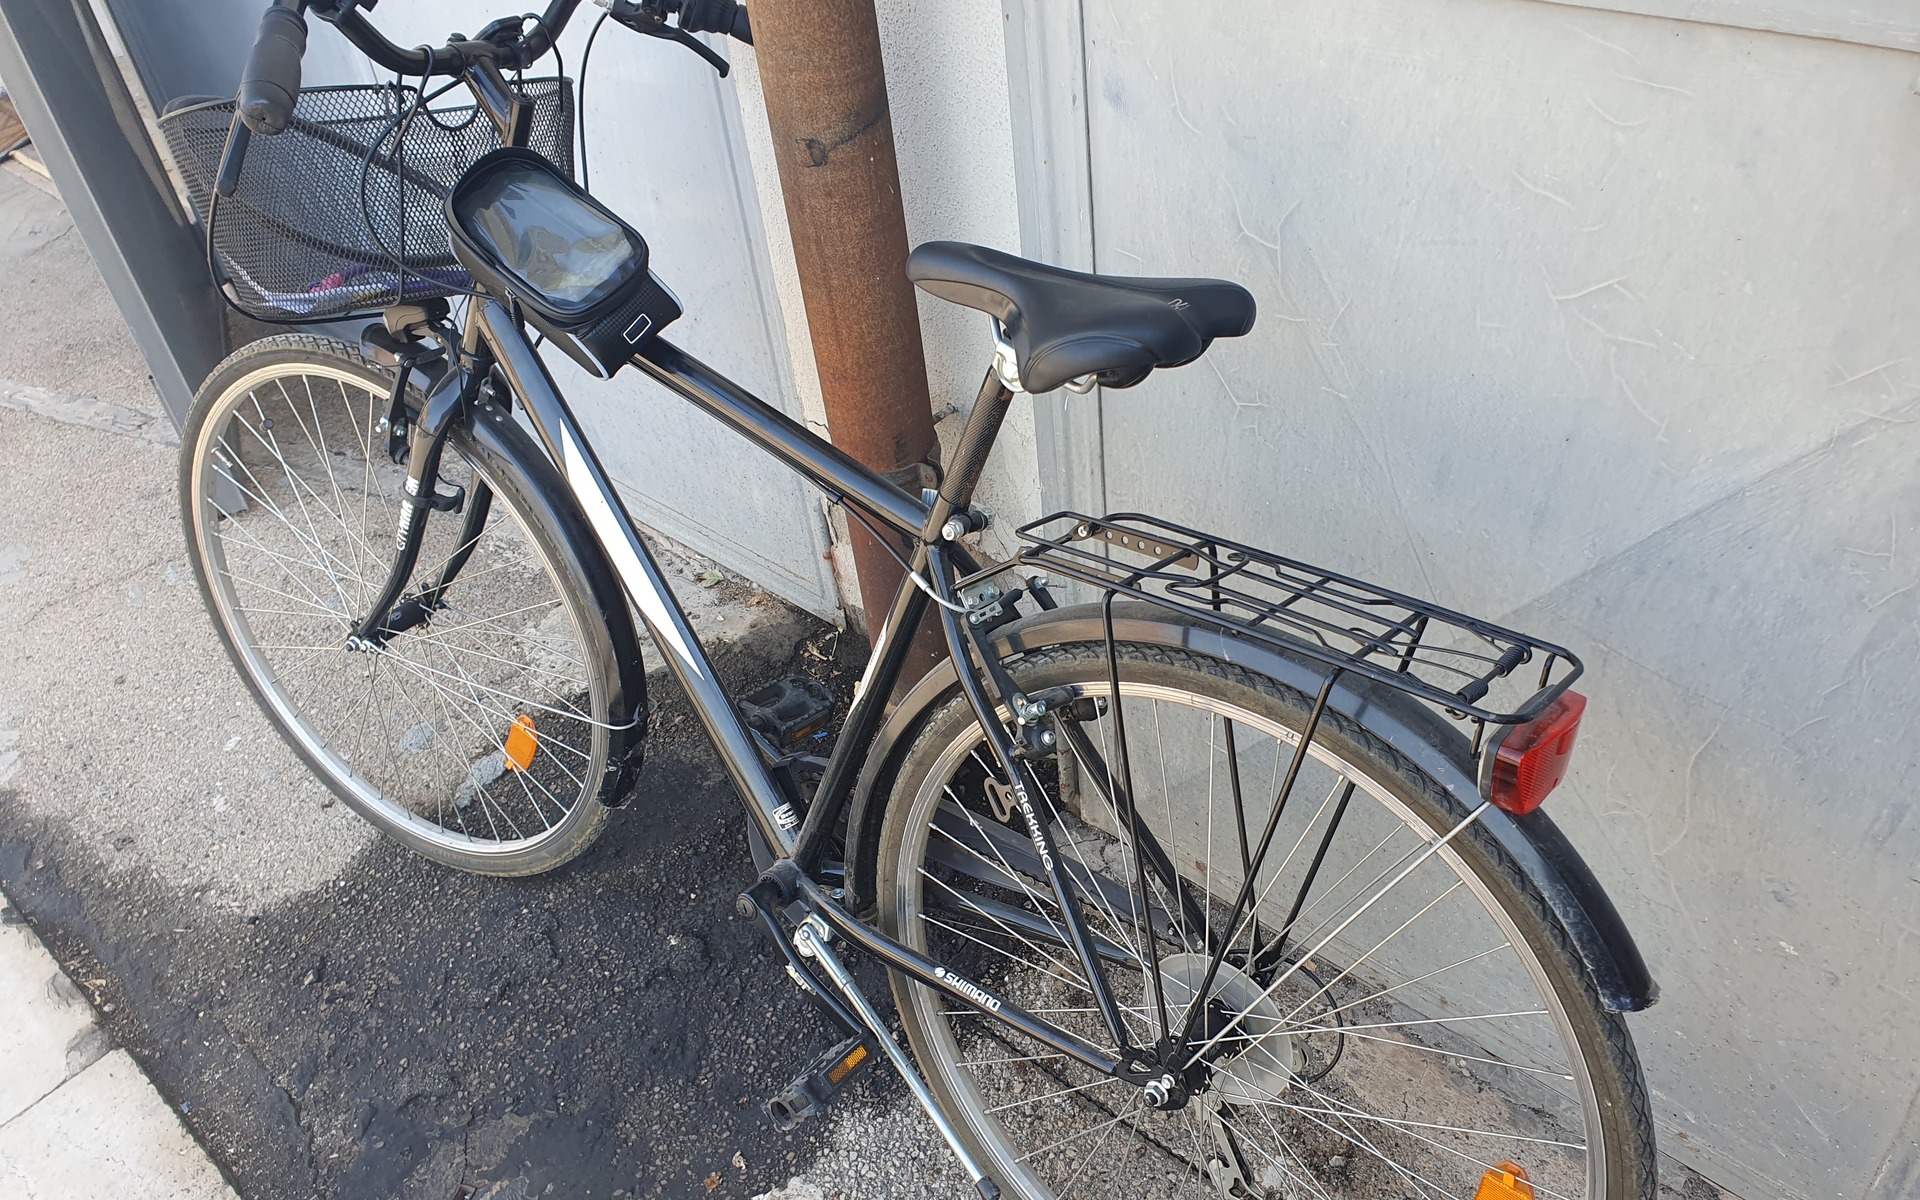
716,16
270,86
459,52
523,50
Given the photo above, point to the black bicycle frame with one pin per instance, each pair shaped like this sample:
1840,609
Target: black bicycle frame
494,339
798,887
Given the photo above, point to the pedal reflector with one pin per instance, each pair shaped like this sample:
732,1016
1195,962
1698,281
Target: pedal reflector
811,1090
1506,1181
847,1065
522,743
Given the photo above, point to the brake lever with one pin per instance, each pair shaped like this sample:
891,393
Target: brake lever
642,17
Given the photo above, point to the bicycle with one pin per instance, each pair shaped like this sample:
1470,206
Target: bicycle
1228,878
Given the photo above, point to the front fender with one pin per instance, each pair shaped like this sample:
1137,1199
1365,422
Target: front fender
1429,740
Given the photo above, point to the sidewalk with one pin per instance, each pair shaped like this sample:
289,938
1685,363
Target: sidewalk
78,1119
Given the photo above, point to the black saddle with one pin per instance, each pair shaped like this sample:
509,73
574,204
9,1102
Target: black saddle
1065,324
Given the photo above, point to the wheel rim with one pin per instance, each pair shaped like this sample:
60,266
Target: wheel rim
1041,1117
481,732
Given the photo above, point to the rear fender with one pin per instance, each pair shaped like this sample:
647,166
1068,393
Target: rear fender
1429,740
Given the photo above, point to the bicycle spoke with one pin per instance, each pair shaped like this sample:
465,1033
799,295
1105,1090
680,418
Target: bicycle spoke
1117,931
1021,1103
1313,872
1003,926
1388,991
1301,1176
313,534
1348,1112
1356,915
1133,1112
419,726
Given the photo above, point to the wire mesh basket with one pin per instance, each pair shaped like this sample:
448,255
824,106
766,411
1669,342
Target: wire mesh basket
1464,665
342,213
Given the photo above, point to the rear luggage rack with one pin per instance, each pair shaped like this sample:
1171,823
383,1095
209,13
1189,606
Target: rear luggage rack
1462,664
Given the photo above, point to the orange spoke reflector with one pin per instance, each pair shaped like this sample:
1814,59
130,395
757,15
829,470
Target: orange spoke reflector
1507,1181
522,743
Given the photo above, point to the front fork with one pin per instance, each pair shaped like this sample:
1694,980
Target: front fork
449,402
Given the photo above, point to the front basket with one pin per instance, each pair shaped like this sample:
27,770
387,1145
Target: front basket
343,212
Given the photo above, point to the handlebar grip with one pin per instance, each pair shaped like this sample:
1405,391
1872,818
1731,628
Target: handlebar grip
716,16
271,83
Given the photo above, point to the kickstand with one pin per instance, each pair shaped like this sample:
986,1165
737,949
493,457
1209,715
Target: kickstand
811,941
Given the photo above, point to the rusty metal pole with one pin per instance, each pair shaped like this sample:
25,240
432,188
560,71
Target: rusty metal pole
826,95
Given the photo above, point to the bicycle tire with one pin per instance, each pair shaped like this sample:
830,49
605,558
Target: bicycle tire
1613,1099
599,701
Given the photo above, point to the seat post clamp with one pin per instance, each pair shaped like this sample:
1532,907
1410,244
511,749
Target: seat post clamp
971,519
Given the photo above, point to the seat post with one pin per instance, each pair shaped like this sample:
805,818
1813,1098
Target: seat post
970,455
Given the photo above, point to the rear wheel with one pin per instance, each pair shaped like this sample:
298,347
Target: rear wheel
489,738
1400,1015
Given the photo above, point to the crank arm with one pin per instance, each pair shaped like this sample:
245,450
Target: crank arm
802,974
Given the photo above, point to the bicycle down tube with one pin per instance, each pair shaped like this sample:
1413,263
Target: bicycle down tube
801,846
533,386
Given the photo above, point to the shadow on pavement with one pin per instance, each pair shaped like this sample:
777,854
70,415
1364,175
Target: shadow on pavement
607,1030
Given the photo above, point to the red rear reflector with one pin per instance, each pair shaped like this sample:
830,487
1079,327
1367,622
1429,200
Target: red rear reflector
1532,759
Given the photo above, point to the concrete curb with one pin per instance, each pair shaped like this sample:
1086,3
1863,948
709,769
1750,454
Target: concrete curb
78,1119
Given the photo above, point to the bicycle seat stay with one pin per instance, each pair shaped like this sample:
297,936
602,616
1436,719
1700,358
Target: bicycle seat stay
1064,325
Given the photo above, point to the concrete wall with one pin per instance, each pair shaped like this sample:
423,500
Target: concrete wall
1602,324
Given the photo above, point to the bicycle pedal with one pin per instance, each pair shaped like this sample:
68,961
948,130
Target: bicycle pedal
788,709
811,1090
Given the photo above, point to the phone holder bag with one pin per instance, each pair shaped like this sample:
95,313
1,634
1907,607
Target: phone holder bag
526,232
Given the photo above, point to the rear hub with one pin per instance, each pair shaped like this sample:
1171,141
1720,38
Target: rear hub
1254,1062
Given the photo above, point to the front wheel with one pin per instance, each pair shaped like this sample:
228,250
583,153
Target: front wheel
1393,1015
492,736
